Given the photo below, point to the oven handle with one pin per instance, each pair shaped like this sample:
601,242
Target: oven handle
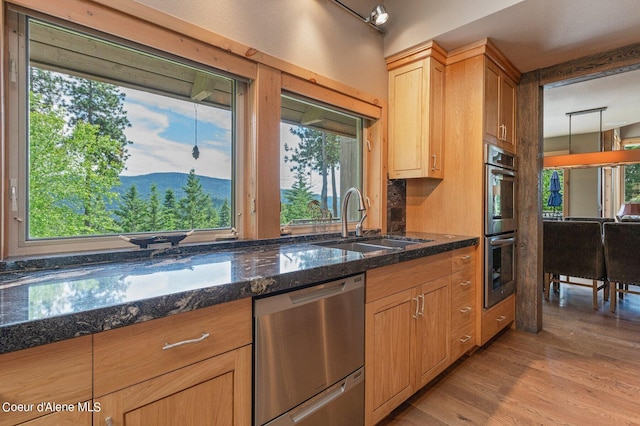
503,241
503,172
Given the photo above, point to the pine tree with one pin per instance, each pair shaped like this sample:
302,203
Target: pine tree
168,213
225,215
131,211
196,209
153,210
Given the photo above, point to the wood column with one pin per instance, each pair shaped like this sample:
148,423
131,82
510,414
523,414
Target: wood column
529,201
262,208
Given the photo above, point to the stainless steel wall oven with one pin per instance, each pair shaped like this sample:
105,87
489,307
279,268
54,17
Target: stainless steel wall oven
500,225
500,191
309,356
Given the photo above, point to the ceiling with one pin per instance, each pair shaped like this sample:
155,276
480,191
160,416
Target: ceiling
535,34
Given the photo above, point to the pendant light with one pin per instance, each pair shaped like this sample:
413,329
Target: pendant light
195,152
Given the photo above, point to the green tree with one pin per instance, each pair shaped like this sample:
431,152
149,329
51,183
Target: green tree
168,212
53,208
318,152
100,104
225,215
632,181
132,211
96,172
89,153
298,199
196,208
153,222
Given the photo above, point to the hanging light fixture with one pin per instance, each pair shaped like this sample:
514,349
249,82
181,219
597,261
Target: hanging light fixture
376,18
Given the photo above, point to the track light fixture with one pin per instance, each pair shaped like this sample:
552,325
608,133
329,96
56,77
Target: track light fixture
377,17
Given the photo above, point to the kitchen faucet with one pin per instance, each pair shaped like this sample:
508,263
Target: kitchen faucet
361,208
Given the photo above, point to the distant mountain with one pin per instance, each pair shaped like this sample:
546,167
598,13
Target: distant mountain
220,189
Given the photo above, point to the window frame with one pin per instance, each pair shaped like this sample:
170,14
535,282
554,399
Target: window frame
18,242
266,77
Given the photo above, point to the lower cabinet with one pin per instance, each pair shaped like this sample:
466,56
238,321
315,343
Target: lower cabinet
498,317
48,384
409,334
216,391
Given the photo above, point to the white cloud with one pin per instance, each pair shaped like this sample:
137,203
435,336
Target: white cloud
151,152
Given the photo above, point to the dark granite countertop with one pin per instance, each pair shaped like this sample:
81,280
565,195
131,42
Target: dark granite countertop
44,300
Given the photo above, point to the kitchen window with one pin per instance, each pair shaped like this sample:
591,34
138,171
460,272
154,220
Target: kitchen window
320,159
110,138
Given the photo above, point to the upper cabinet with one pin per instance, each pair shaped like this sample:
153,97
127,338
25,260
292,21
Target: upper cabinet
416,113
500,107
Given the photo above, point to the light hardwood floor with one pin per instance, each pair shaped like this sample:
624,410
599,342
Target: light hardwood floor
582,369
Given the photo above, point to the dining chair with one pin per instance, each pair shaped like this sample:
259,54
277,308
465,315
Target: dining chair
574,249
621,248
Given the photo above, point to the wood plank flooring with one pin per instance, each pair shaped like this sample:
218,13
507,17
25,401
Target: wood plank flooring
582,369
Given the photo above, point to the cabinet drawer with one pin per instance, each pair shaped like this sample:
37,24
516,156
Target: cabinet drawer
463,287
463,258
382,282
136,353
58,373
497,318
462,340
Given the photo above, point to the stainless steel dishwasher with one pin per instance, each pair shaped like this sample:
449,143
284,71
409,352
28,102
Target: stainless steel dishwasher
309,356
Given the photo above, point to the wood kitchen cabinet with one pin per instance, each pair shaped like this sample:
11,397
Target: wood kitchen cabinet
480,89
216,391
56,373
408,327
416,113
499,107
192,368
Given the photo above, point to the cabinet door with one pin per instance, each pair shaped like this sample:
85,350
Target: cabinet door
432,331
508,113
491,103
416,120
216,391
62,418
388,354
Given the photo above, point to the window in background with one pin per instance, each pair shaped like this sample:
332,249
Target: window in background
120,140
631,179
554,210
320,159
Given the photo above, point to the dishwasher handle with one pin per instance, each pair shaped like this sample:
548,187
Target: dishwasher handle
317,405
284,301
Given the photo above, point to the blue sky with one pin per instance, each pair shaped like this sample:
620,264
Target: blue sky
163,134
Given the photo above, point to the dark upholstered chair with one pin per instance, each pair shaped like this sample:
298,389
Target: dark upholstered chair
602,220
574,249
622,255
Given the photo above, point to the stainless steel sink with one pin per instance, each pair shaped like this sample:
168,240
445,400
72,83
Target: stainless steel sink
376,244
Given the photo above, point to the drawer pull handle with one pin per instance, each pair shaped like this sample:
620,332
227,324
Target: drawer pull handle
417,312
465,310
465,339
501,318
185,342
465,257
108,421
465,283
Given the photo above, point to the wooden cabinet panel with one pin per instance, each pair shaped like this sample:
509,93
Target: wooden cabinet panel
62,418
216,391
464,258
416,119
389,358
382,282
432,339
57,373
499,108
497,317
133,354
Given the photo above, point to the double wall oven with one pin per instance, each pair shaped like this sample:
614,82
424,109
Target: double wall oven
500,224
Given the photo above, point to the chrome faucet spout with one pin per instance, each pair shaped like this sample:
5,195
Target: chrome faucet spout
361,207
